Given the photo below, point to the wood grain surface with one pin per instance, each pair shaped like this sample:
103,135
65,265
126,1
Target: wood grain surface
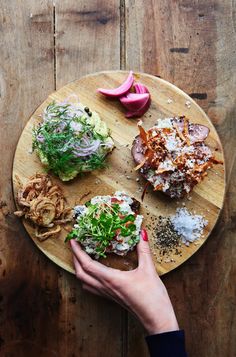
206,198
45,44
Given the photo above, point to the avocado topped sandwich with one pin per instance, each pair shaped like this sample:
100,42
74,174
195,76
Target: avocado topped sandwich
107,224
71,140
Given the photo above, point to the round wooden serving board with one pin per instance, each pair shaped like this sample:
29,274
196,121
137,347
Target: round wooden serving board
167,101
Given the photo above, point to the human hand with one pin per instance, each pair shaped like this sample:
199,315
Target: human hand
140,291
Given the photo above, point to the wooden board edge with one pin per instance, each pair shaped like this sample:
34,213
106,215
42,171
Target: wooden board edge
180,91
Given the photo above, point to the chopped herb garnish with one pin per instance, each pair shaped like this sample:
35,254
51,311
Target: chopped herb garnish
69,142
105,225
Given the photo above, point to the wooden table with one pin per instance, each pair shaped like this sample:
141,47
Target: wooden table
191,43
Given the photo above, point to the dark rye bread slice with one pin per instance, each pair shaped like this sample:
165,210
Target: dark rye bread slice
197,133
135,206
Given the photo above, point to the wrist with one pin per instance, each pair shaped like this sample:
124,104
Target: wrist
161,319
157,326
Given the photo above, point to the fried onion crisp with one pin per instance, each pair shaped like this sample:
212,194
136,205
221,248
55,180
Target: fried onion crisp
44,204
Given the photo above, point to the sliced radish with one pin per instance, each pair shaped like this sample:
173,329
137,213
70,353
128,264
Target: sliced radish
134,101
121,90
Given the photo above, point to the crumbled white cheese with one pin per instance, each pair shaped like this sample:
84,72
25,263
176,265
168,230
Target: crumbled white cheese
121,195
164,123
80,210
100,199
166,165
172,143
190,163
188,149
125,207
138,222
122,246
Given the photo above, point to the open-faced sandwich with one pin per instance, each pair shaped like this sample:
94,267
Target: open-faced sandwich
107,224
172,155
71,139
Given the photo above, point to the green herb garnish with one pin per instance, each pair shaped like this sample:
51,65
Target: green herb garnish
66,150
100,225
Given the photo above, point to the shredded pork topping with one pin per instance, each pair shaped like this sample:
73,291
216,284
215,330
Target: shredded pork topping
175,157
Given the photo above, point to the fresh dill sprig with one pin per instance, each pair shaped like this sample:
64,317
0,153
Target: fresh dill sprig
55,140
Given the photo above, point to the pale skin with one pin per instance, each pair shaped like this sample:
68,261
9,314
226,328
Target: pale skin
140,291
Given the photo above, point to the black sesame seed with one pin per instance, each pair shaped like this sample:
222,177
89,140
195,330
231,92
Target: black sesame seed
86,109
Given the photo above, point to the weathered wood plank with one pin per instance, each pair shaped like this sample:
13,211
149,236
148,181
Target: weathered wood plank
29,293
173,43
192,44
87,40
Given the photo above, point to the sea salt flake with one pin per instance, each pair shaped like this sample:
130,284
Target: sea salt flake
188,226
188,104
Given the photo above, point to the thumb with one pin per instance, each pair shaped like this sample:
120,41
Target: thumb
143,250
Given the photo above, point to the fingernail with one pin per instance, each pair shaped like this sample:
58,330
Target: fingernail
144,235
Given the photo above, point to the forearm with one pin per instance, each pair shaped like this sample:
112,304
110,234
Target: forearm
163,323
157,315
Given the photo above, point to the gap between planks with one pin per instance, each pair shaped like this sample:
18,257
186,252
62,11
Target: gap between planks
122,35
125,317
54,47
124,313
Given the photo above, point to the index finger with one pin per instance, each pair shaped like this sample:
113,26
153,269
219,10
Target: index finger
91,266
